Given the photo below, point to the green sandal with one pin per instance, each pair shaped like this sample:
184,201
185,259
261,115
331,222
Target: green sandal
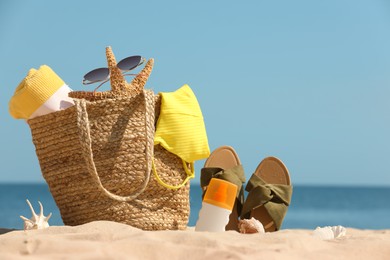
269,195
224,164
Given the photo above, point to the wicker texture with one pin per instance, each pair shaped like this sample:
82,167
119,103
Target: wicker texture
96,159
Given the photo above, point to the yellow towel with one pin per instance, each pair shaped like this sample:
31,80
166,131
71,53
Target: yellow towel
180,127
33,91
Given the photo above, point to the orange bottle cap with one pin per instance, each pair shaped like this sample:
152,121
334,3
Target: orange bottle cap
221,193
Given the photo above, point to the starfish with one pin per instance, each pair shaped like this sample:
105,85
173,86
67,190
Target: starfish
119,86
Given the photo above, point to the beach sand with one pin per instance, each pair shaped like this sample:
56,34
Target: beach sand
110,240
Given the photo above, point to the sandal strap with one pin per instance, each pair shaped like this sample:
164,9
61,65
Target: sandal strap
274,197
234,175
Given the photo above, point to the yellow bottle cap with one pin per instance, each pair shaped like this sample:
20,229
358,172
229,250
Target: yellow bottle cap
221,193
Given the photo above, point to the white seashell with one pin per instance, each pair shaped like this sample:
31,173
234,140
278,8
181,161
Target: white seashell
36,221
250,226
339,231
328,233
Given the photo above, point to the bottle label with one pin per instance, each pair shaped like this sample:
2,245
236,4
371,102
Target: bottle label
212,218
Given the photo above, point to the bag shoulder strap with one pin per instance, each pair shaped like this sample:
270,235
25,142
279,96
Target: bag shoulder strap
86,148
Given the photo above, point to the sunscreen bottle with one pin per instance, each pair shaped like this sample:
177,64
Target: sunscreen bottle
41,92
217,205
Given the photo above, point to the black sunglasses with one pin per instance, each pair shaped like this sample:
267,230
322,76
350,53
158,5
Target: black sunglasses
103,74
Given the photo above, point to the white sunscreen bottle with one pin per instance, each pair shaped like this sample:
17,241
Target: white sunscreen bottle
217,205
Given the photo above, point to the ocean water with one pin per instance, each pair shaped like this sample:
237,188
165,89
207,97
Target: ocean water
311,206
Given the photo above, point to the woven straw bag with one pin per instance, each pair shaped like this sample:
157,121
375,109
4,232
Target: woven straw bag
97,158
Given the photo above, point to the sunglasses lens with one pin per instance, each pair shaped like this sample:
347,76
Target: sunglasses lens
97,75
129,63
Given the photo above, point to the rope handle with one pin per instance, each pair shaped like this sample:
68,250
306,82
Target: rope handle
86,149
190,175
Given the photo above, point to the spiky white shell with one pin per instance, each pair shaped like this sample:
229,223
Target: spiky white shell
250,226
328,233
36,221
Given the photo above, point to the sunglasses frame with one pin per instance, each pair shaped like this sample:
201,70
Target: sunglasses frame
107,78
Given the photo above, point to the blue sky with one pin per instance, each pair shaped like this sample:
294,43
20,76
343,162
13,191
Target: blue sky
306,81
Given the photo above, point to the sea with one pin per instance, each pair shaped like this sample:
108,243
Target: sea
311,206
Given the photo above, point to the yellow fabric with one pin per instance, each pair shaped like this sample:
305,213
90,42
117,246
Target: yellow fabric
33,91
180,128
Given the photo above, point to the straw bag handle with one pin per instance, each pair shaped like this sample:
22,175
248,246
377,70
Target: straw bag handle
86,145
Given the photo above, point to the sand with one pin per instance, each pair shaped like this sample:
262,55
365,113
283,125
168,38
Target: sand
110,240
